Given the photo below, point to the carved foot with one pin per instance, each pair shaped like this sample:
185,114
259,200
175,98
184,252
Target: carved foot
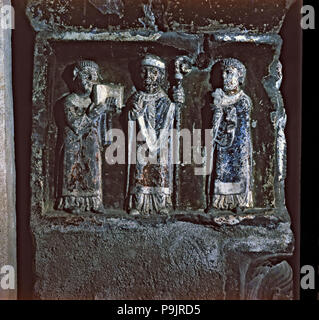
164,211
238,210
74,211
99,210
134,212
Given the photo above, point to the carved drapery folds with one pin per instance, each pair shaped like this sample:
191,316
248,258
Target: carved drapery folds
270,282
83,125
232,183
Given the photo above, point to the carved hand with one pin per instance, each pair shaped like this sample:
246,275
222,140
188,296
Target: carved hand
111,104
96,110
179,95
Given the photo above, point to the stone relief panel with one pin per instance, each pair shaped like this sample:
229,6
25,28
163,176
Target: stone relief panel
143,69
193,92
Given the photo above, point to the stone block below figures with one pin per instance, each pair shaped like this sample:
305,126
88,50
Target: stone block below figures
161,258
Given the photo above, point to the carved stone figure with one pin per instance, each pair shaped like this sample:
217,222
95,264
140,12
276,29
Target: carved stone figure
231,180
83,125
151,114
280,120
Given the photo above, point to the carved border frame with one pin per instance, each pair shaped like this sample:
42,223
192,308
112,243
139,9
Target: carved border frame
42,53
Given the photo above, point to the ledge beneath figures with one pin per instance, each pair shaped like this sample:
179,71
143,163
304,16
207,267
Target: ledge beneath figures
121,257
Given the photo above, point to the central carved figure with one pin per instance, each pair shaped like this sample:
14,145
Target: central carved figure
151,114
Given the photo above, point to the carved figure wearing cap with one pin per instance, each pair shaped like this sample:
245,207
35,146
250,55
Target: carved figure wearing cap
151,117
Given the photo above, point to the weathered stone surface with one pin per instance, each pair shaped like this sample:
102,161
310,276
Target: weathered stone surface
7,167
157,258
168,15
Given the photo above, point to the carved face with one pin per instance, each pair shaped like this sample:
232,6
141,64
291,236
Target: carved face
151,78
231,79
85,79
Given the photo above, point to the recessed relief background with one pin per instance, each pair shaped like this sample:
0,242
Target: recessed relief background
118,64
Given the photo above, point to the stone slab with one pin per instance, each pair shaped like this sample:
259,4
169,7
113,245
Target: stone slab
159,258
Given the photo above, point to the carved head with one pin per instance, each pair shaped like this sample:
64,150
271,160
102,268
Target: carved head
152,73
85,75
234,74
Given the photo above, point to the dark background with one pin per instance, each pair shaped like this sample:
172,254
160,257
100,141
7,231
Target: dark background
23,41
309,219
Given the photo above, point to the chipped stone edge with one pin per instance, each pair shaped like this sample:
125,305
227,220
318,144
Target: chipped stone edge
214,25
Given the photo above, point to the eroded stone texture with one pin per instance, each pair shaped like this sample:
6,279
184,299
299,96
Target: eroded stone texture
121,258
7,167
165,15
109,6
